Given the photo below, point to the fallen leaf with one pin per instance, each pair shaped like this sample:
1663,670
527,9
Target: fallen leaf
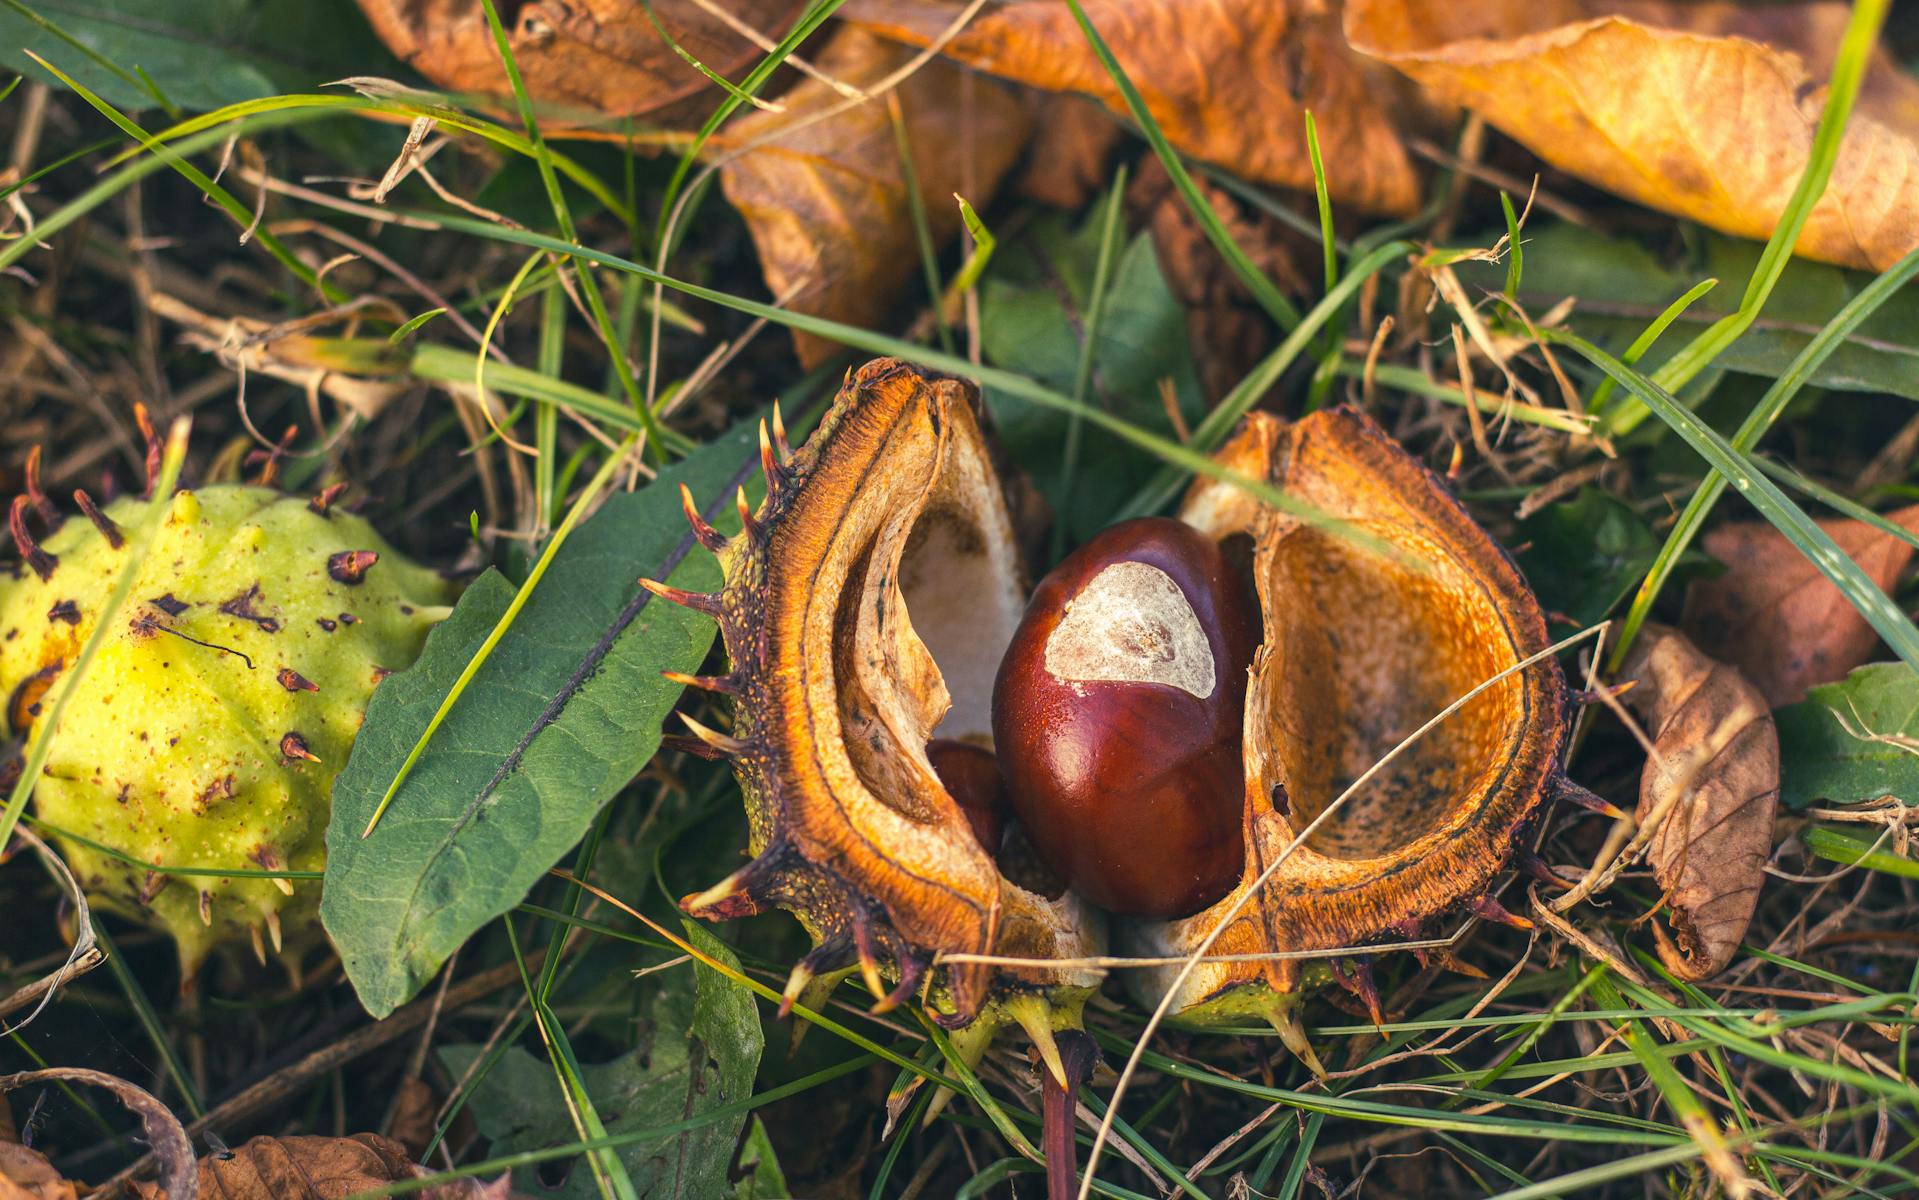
1229,81
1712,788
321,1168
826,196
1066,162
1853,741
1775,617
27,1175
604,56
415,1109
165,1137
1657,102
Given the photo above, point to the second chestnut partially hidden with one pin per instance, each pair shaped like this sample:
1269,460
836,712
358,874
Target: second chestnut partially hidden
1117,717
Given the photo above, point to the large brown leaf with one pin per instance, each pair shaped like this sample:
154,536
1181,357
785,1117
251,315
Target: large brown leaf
827,202
597,55
1229,81
1713,787
1776,618
1660,103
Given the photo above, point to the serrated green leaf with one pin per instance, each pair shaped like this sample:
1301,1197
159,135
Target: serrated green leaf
201,54
1852,741
563,714
698,1047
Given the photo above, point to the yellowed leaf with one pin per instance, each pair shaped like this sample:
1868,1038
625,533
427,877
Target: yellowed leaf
1229,81
1662,104
1776,617
1712,792
602,56
825,196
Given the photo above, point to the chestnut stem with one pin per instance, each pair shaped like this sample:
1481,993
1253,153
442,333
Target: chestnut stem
1079,1054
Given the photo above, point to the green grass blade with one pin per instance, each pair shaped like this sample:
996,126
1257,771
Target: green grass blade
1248,392
1879,611
241,215
658,440
1750,431
1263,289
1325,202
984,243
1109,231
1843,505
1848,72
1647,336
143,1011
573,517
1515,251
93,56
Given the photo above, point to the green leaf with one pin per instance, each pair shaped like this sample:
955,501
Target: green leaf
761,1177
201,54
563,714
698,1047
1584,555
1852,741
1032,315
1621,286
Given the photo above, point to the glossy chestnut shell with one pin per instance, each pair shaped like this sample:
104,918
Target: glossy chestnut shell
1117,716
971,775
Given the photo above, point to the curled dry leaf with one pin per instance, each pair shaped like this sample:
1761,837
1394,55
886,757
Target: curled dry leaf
1775,617
320,1168
598,55
1712,790
164,1135
1658,103
826,197
1229,81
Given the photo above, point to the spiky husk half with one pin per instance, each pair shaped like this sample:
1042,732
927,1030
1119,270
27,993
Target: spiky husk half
1362,648
865,608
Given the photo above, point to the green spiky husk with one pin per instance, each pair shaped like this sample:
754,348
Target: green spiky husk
243,630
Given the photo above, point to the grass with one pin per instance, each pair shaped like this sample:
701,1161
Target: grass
1576,1076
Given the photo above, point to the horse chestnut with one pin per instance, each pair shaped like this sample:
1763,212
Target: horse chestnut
971,776
1117,715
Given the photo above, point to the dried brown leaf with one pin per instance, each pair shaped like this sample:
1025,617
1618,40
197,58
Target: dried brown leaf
1066,163
167,1139
27,1175
321,1168
1776,617
1229,81
827,201
1711,792
1658,102
597,55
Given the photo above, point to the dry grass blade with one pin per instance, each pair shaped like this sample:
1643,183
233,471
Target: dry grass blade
83,957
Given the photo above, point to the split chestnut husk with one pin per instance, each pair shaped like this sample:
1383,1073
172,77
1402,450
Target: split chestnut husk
866,609
1361,649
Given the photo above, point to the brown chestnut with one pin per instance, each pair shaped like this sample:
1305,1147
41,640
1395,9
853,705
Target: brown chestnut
971,776
1117,715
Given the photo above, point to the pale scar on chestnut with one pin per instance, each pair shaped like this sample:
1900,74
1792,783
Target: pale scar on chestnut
1132,624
